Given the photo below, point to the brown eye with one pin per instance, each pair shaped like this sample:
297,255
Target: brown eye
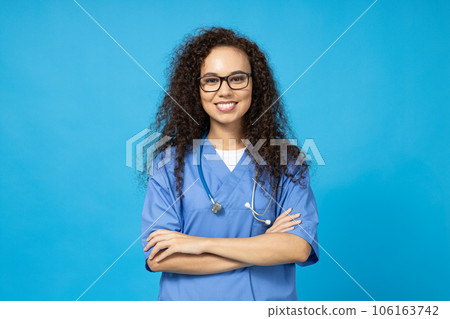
211,80
238,79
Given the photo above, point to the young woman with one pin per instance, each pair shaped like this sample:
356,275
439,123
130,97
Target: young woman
229,210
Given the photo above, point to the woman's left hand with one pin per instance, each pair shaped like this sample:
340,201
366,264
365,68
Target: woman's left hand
174,242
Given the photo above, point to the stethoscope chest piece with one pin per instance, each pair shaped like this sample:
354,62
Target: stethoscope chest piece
216,207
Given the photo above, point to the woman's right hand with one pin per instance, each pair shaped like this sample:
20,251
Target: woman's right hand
284,222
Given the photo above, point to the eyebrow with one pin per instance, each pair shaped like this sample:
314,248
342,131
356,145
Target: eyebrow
234,72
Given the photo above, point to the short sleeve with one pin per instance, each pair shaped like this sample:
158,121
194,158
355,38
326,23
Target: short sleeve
161,209
301,198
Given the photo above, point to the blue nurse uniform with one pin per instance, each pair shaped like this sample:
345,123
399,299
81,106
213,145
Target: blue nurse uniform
192,215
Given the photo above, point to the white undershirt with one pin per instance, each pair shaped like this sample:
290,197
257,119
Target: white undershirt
231,157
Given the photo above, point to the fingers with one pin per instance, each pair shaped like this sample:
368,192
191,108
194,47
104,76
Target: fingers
149,244
289,226
285,222
163,255
158,247
157,233
286,229
157,236
294,222
286,213
286,218
294,216
155,240
154,251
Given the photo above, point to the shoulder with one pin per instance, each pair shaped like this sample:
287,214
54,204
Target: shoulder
296,173
162,165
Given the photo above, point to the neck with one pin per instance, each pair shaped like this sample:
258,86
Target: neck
228,136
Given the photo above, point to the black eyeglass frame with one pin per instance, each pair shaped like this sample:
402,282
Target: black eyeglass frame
224,78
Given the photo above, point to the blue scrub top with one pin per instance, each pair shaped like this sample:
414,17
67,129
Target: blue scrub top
193,216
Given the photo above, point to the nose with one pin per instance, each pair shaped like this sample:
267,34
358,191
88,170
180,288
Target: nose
225,89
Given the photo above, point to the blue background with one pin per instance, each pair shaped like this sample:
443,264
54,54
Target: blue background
376,105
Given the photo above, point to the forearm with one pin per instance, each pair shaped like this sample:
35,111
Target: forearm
264,250
195,264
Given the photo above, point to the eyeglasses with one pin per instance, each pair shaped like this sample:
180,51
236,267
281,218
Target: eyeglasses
212,83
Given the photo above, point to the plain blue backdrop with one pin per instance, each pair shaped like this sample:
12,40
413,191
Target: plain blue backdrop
376,105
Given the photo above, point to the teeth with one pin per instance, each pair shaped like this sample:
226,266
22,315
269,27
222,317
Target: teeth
224,106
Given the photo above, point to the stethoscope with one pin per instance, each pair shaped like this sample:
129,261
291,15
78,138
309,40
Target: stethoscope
216,206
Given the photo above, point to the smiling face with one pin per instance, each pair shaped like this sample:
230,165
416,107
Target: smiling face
226,106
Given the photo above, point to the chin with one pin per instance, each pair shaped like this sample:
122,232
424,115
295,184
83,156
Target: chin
225,121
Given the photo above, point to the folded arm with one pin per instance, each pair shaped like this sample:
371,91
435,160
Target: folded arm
195,264
264,250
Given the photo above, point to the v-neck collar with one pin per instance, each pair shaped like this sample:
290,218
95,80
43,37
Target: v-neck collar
220,170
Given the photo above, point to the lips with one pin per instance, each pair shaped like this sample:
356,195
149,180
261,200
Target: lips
226,106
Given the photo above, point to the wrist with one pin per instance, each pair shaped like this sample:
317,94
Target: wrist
207,244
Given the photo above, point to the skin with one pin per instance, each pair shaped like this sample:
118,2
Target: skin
182,243
180,253
226,126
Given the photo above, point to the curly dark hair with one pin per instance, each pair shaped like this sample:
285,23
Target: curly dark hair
183,93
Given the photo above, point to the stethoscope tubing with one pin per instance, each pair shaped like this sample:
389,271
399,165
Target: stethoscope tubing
200,170
205,186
